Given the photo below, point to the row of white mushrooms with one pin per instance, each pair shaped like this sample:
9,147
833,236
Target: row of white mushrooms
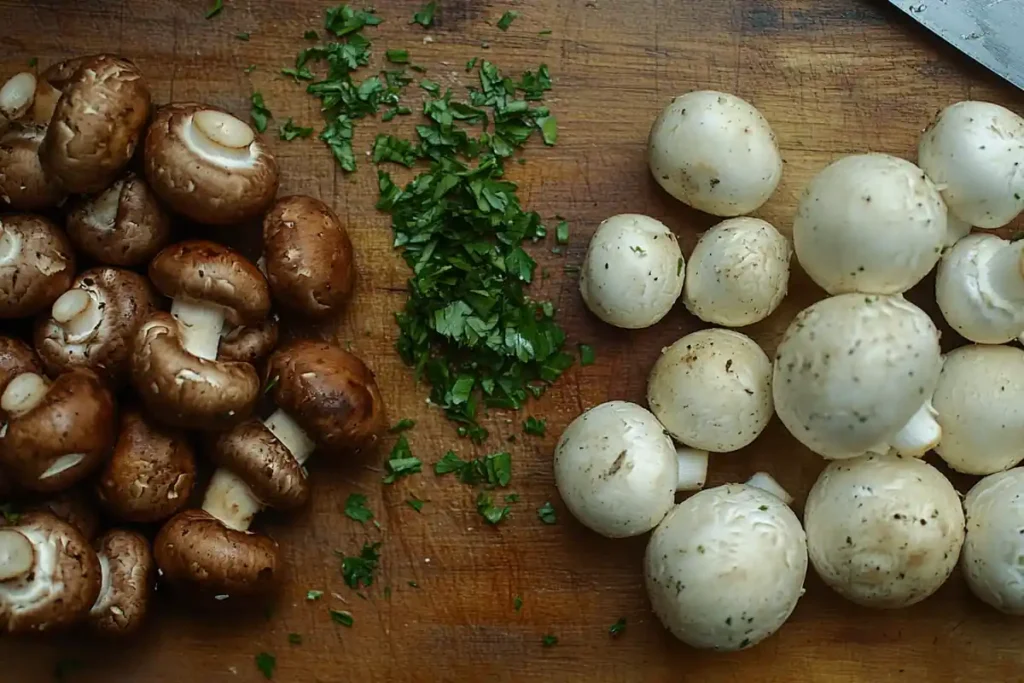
858,378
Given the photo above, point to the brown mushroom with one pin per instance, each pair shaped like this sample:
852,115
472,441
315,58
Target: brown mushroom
74,507
251,343
56,585
36,264
127,572
208,165
16,357
96,124
308,257
124,225
184,390
56,432
24,186
93,324
151,473
59,74
197,552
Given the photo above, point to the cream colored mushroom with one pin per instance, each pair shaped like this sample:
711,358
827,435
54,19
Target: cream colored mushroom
994,546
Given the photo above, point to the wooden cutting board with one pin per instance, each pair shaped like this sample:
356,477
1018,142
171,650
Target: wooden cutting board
832,76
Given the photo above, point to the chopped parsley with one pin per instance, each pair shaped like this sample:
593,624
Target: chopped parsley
535,426
300,74
430,86
517,603
397,56
259,112
295,639
343,617
415,503
289,131
355,508
243,36
311,35
587,356
471,64
618,628
425,17
562,232
488,510
266,663
215,9
33,62
249,69
314,595
512,498
401,463
550,640
391,148
638,250
545,32
402,425
494,469
343,20
506,19
10,513
412,584
546,512
358,569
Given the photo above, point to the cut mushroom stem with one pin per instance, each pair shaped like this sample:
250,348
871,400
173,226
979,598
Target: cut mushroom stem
10,246
693,469
767,483
78,313
23,393
289,433
1006,271
230,500
16,95
220,135
921,434
16,555
201,326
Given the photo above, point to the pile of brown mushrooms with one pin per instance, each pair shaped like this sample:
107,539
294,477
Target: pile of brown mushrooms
182,336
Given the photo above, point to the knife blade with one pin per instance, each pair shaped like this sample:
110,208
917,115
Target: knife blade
989,31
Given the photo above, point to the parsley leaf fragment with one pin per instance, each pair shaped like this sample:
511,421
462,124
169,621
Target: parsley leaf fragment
425,17
535,426
314,595
266,663
517,603
494,469
243,36
391,148
259,112
546,512
562,232
358,569
289,131
488,510
506,19
343,20
617,628
415,503
215,9
587,355
355,508
397,56
402,425
343,617
401,463
295,639
549,640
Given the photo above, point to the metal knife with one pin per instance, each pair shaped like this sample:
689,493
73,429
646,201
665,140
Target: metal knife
989,31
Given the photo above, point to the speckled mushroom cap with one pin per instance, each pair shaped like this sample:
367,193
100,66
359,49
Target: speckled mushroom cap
198,270
16,357
257,457
726,567
151,473
994,542
208,165
119,301
309,258
24,186
128,576
62,439
36,264
96,125
124,225
63,583
59,74
197,553
182,390
251,343
883,531
330,393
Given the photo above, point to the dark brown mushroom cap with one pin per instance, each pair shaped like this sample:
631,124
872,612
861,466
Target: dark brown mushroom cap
330,393
7,487
251,343
74,507
96,125
127,561
182,390
125,299
59,74
198,270
151,473
63,584
196,552
201,179
308,255
36,264
75,418
16,357
124,225
254,455
24,186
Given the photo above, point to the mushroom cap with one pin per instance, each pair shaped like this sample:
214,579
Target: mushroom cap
124,225
308,255
196,552
182,390
869,223
974,151
633,272
97,124
151,473
883,531
852,370
24,186
198,270
59,74
63,584
994,543
715,152
73,506
726,567
202,178
254,455
124,299
615,468
251,343
330,393
128,574
36,264
16,357
738,273
64,438
980,404
712,390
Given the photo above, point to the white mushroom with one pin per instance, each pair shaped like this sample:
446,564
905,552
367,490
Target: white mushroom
883,531
870,223
712,390
993,556
715,152
738,273
980,405
854,374
726,567
633,272
618,471
974,151
980,288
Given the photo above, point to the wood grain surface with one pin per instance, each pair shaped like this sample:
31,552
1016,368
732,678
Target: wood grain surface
832,76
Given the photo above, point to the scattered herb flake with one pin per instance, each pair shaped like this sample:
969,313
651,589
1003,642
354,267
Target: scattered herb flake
33,62
512,498
679,267
517,603
415,503
638,250
243,36
535,426
358,570
343,20
300,74
249,69
402,425
545,32
471,64
259,112
546,512
10,513
488,510
311,35
343,617
215,9
506,19
494,469
587,355
289,131
418,69
548,129
618,628
391,148
387,592
355,508
550,640
314,595
295,639
401,463
413,584
425,17
265,662
398,56
562,232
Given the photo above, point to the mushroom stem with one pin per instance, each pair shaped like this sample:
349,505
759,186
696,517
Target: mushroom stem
693,469
23,393
16,555
1005,271
201,325
230,500
921,434
44,102
289,433
78,312
10,245
767,483
16,95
